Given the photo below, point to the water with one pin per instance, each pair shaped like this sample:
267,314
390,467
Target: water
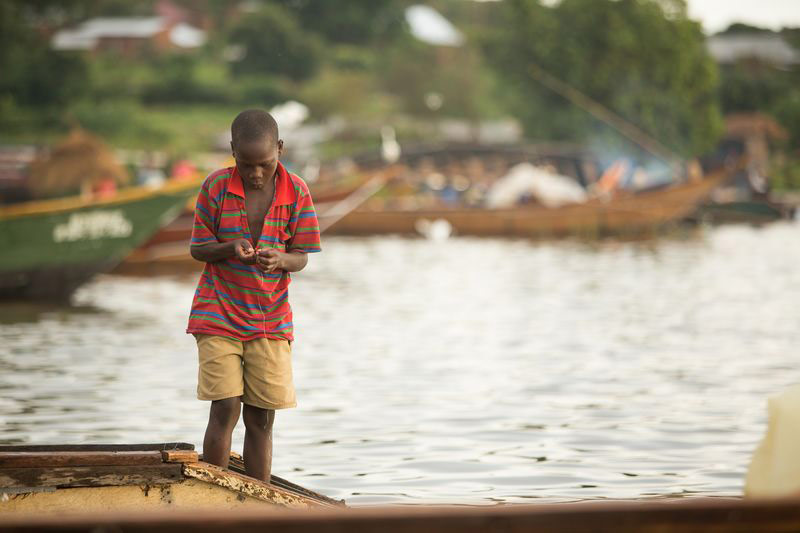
470,371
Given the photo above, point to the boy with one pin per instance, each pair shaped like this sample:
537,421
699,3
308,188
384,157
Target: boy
254,224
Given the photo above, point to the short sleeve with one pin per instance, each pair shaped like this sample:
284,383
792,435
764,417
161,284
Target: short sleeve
303,226
205,213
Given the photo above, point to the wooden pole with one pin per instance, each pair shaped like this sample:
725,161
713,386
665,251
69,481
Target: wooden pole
606,116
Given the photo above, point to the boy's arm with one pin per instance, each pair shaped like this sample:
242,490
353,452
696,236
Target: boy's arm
217,251
271,259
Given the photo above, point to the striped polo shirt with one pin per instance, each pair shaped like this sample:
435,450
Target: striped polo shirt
237,300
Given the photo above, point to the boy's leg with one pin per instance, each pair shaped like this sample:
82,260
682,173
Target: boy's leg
222,418
258,441
220,380
267,386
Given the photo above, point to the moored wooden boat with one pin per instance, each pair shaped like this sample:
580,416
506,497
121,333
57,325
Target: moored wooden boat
95,478
625,213
53,246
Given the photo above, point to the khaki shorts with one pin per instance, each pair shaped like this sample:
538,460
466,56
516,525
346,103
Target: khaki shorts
260,371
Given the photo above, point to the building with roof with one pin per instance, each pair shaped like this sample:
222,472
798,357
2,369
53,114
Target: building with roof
763,47
129,35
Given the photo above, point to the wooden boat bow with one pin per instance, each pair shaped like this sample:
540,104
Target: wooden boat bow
118,477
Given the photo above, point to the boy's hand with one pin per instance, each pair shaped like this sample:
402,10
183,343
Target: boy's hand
270,260
244,251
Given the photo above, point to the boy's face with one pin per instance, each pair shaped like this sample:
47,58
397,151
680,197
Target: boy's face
257,161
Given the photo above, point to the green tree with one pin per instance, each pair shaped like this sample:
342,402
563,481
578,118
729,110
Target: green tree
412,71
749,86
34,75
643,59
753,85
787,111
349,22
273,43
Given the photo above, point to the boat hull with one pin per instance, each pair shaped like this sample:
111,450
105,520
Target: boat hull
188,494
120,478
56,282
622,215
52,247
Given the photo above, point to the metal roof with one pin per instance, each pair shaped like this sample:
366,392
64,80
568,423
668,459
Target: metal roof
86,35
770,48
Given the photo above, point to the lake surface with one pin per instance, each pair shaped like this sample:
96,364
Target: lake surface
470,371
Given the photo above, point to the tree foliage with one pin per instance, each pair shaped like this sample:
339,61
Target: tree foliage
354,22
412,71
643,59
275,44
753,85
32,73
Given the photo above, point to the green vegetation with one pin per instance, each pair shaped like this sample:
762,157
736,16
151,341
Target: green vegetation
273,41
785,173
752,86
643,59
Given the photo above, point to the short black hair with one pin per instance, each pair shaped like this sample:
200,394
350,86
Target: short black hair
253,125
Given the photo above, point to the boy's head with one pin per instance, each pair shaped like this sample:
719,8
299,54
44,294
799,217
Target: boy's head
256,146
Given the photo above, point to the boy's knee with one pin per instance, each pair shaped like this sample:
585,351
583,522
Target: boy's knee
226,411
258,417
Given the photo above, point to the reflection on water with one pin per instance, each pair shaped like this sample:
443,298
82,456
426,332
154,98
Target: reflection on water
471,371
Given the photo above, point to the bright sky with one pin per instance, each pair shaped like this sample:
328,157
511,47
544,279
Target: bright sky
717,15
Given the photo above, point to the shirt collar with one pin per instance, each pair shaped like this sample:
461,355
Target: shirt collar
284,190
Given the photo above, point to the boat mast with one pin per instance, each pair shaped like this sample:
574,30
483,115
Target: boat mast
602,113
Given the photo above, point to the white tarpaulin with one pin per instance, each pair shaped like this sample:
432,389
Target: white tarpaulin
524,179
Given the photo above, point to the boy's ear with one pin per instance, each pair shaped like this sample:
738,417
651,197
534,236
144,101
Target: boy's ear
280,146
233,150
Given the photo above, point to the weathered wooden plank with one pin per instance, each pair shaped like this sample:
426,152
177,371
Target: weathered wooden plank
97,447
236,464
248,486
59,458
297,489
90,476
179,456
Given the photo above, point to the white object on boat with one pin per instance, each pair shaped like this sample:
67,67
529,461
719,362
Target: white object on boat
551,190
437,230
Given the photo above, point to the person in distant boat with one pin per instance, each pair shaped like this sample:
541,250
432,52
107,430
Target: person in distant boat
254,224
